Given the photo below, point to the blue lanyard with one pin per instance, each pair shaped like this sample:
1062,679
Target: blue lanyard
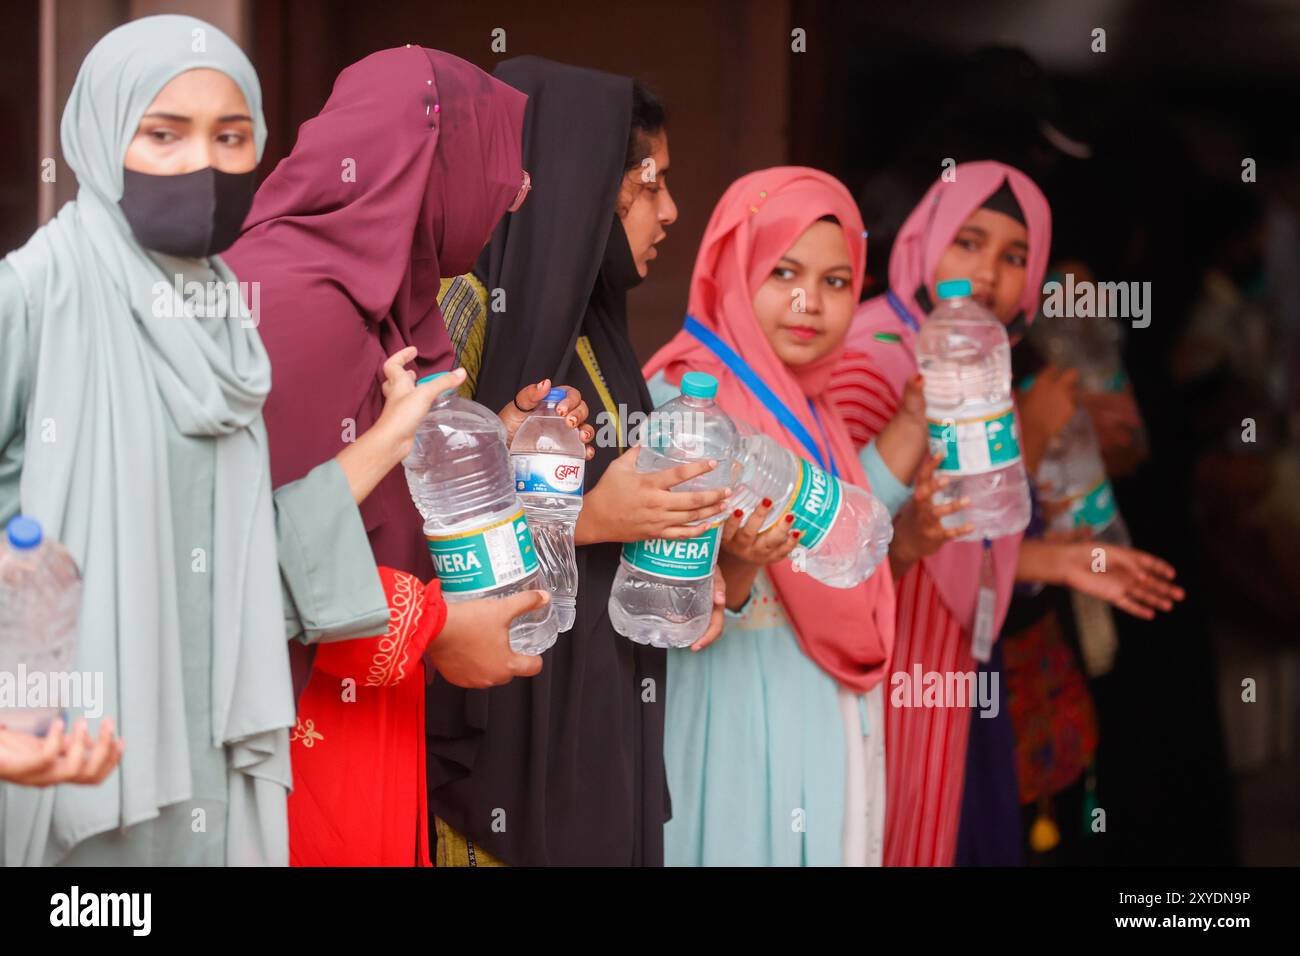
897,305
761,391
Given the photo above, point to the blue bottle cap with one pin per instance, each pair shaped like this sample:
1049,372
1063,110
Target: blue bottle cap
24,533
699,385
954,288
555,395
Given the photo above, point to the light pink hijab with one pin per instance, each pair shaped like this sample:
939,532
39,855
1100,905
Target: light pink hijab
848,633
926,234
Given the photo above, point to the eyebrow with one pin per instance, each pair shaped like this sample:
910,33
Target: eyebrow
178,118
845,266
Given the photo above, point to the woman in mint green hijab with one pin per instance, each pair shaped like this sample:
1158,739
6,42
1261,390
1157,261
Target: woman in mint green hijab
132,380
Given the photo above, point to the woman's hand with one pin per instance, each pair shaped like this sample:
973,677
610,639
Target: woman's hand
530,396
1045,408
629,505
918,527
746,548
43,761
1117,421
379,449
717,620
473,647
749,544
1132,580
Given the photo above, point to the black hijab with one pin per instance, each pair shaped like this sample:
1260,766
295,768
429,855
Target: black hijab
566,767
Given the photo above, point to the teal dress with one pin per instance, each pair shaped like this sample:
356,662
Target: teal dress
755,739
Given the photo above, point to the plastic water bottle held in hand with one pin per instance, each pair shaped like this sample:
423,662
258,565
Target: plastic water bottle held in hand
40,600
663,590
459,474
1076,493
1073,485
549,462
964,354
844,530
1091,345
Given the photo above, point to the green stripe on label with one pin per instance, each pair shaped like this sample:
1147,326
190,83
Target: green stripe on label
481,560
816,504
978,445
1096,509
687,560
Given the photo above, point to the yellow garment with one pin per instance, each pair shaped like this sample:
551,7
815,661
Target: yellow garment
455,850
463,303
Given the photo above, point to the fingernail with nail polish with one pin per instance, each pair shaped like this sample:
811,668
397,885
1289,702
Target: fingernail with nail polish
767,502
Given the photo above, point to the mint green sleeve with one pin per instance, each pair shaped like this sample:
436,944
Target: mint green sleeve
328,575
660,390
893,494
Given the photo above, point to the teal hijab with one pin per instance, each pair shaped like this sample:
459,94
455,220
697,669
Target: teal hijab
115,365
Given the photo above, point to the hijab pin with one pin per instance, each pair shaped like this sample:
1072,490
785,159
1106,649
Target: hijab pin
762,194
437,107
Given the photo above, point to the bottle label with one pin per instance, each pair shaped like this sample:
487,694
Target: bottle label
973,446
548,474
815,505
1096,509
688,560
491,557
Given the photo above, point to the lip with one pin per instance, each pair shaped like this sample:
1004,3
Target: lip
803,333
984,298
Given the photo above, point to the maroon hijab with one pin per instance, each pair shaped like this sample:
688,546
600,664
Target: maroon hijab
397,183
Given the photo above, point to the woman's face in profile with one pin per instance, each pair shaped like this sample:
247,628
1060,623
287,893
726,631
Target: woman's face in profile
645,206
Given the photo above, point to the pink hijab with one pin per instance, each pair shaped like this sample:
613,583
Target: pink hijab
848,633
926,234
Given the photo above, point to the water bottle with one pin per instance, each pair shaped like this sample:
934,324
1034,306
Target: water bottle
40,600
549,461
963,352
1073,485
663,590
1091,346
844,529
459,475
1076,493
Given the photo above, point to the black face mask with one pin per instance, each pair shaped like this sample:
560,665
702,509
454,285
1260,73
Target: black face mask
192,215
